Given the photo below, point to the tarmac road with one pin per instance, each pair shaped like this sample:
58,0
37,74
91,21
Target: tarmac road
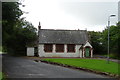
19,67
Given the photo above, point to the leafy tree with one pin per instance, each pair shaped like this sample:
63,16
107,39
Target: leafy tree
16,31
118,38
114,37
99,41
96,41
10,15
24,36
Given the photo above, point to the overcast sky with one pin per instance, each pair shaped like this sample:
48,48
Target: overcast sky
71,14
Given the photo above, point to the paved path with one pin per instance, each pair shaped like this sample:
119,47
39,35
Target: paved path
19,67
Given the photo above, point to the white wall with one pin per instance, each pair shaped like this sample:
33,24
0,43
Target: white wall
30,51
56,54
87,44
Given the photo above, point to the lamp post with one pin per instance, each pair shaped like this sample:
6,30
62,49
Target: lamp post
108,36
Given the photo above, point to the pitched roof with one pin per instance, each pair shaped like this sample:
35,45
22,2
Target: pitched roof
62,36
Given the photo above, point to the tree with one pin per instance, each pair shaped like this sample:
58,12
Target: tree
118,38
96,42
10,15
114,37
16,31
99,41
23,36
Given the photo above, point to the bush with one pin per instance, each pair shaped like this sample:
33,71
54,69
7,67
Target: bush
0,48
114,56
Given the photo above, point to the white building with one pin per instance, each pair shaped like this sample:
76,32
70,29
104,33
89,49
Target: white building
63,43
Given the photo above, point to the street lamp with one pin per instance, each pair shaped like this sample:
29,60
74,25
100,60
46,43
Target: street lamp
108,36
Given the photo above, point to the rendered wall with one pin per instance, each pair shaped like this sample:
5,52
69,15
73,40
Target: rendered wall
57,54
30,51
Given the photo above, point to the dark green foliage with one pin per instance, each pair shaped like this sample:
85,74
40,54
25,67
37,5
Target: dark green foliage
118,24
10,14
114,32
99,41
16,31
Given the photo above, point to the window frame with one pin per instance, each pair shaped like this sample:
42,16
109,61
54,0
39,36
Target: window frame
50,46
68,46
57,50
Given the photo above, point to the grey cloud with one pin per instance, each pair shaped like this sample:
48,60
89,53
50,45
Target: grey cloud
91,12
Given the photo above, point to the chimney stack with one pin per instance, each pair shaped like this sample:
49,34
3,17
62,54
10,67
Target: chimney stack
39,26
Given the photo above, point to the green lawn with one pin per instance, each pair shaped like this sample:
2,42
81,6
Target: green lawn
0,75
93,64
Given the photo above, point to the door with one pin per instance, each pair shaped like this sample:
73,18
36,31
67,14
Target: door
36,51
30,51
87,52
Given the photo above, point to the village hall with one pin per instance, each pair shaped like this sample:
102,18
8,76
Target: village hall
62,43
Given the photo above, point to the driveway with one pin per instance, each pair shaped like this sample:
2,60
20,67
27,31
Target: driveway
19,67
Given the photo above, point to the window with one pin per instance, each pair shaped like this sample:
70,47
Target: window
70,48
59,47
48,47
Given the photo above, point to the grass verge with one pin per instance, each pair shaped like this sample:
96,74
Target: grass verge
0,75
92,64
